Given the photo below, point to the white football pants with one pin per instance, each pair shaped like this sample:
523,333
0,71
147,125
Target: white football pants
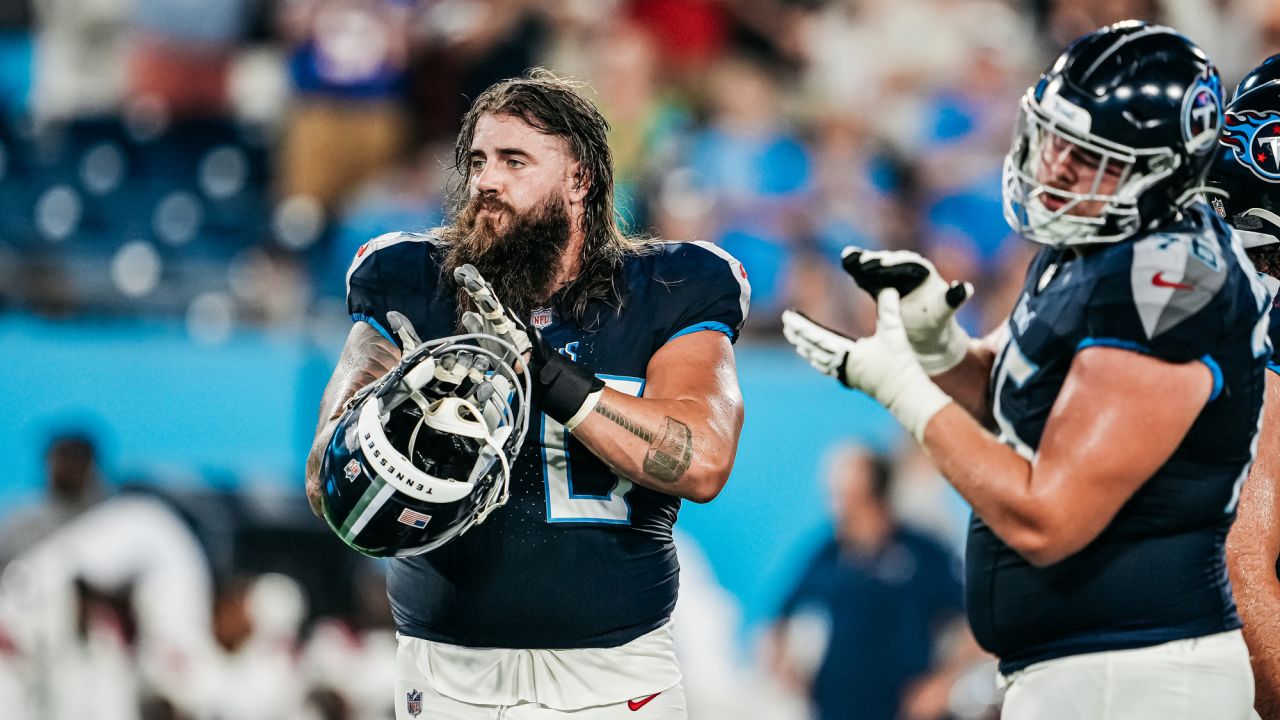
666,705
1205,678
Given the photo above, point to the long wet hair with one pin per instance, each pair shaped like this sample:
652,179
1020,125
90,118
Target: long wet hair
552,105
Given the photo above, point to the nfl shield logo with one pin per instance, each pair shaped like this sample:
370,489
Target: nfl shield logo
540,318
413,702
352,470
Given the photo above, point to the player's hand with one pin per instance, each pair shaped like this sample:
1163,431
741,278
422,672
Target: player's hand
883,365
929,303
401,326
566,392
492,317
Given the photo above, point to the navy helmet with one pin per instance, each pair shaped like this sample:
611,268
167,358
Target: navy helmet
1266,71
1137,109
1244,182
424,453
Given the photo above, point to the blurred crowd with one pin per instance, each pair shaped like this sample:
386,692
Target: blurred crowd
149,601
131,601
220,160
218,163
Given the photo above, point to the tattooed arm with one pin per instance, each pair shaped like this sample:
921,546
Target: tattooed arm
681,437
366,357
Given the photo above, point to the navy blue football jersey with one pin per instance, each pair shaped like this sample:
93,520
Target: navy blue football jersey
1157,573
579,557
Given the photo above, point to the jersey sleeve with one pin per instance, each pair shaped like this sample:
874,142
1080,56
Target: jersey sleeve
706,289
390,272
1171,299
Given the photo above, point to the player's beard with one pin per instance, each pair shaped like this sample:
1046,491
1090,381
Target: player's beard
521,261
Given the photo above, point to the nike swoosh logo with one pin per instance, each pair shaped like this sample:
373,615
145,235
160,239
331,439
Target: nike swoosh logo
634,705
1159,281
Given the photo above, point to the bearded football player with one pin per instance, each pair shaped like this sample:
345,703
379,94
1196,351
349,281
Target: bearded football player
559,600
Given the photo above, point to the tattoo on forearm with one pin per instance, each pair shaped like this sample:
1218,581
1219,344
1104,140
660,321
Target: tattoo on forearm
624,422
670,455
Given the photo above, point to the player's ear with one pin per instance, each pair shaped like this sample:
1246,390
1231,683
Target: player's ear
579,182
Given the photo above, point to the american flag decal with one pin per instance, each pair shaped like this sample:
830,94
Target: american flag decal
413,518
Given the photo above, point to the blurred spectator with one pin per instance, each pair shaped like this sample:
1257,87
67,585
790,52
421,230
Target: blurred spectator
116,604
182,54
746,182
351,662
80,63
860,631
858,199
409,194
467,46
691,34
73,483
348,60
647,119
251,672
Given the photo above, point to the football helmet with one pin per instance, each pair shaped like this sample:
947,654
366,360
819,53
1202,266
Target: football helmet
1266,71
1115,137
425,452
1244,181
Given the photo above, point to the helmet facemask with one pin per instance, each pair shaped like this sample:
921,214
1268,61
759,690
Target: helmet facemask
1064,185
438,432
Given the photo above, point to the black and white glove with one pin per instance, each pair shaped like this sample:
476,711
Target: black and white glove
492,318
566,391
884,365
928,302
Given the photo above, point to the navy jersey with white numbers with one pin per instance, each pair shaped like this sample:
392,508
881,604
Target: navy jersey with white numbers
1157,572
578,557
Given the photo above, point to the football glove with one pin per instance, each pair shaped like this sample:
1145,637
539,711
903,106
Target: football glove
565,391
929,303
492,318
401,326
883,365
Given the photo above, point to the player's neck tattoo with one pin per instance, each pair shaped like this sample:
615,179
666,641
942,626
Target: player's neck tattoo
669,454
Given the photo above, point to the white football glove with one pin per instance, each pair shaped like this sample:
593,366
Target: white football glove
929,303
492,318
883,365
403,327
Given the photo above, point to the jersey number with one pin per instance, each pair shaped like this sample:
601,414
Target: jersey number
565,505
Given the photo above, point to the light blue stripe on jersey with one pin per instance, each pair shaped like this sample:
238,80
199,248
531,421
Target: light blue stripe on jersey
710,325
376,326
1114,343
1274,367
1209,362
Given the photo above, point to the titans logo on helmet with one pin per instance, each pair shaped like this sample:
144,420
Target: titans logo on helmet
1202,113
1254,138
